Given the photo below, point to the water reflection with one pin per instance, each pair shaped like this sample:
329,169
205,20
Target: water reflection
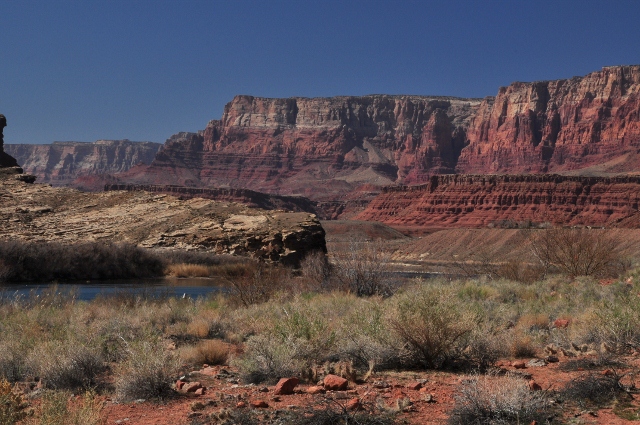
88,290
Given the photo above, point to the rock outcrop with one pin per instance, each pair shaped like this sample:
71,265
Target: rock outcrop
6,160
328,149
560,125
62,163
320,148
45,213
481,200
243,196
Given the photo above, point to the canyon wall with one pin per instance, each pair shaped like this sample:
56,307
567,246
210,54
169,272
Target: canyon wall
321,148
334,149
61,163
560,125
481,200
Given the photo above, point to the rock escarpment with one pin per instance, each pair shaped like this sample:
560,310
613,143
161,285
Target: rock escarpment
6,160
328,149
481,200
320,148
243,196
61,163
45,213
558,125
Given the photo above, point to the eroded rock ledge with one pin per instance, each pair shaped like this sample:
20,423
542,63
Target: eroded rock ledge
481,200
43,213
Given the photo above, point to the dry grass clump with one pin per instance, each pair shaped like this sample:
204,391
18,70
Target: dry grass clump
60,408
12,406
12,361
65,365
211,352
147,373
498,400
430,323
187,270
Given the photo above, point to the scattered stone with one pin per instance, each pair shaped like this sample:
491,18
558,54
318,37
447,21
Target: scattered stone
537,363
241,405
414,386
263,389
191,387
197,405
199,391
534,386
179,384
428,398
335,383
276,399
285,386
259,404
561,323
354,404
519,364
381,384
552,359
316,389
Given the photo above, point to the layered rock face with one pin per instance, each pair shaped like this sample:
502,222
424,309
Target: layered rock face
243,196
61,163
481,200
328,149
558,125
320,148
44,213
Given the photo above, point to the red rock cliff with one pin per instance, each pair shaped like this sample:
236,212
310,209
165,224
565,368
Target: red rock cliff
558,125
321,147
61,163
481,200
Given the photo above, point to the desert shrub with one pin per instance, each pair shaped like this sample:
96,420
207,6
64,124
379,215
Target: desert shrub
42,261
267,358
497,400
364,337
483,346
147,373
596,389
363,269
257,284
430,323
65,364
12,359
211,352
579,251
187,270
59,408
316,268
12,406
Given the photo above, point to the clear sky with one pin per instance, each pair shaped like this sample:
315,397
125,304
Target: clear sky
86,69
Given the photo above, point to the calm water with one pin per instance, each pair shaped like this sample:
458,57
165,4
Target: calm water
88,290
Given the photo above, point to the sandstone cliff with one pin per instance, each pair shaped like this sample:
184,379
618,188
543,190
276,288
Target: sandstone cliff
44,213
61,163
320,148
329,149
481,200
558,125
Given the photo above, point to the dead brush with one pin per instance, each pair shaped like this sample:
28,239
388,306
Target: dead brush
490,399
211,352
187,270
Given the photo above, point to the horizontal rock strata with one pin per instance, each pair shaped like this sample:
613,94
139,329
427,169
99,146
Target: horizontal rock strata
481,200
44,213
61,163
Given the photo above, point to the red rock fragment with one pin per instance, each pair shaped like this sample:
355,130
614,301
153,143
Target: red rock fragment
316,389
561,323
191,387
519,364
335,383
259,404
179,384
354,404
241,405
414,386
285,386
199,391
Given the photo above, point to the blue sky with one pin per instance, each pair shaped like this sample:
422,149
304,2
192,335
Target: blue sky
85,70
